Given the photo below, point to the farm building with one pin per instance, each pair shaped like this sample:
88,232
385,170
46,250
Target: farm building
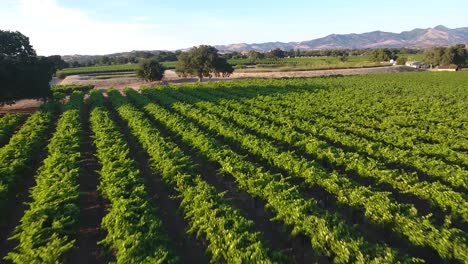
448,68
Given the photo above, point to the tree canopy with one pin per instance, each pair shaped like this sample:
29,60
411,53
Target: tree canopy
15,44
150,70
203,61
22,73
379,55
456,54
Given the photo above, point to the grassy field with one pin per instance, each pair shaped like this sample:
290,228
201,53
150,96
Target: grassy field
357,169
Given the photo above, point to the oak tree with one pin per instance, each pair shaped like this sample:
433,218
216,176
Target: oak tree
202,61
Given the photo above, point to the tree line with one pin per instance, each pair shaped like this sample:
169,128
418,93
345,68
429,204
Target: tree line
252,56
132,57
278,53
453,55
435,56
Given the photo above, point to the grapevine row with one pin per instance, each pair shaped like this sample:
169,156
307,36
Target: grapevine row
448,138
439,195
328,234
396,138
134,229
231,236
46,228
392,135
16,157
335,103
407,103
452,174
449,243
8,124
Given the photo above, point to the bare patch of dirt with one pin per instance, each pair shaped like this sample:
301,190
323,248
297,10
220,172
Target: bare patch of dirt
25,106
118,83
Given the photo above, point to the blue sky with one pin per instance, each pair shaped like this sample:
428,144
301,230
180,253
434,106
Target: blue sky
99,27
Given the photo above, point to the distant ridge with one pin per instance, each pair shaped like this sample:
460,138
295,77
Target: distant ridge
416,38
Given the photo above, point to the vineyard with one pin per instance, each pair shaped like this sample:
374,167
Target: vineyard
361,169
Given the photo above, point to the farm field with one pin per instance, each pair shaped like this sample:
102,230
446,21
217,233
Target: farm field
117,68
305,64
262,65
355,169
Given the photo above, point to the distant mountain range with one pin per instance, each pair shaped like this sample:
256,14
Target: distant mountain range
416,38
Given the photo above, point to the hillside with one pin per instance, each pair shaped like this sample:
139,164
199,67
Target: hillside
416,38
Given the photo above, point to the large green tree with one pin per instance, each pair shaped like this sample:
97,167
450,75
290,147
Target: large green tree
22,73
150,70
202,61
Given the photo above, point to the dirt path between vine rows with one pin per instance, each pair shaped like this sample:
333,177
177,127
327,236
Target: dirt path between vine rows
92,204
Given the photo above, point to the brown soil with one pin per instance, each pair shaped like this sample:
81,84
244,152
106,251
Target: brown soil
92,205
22,106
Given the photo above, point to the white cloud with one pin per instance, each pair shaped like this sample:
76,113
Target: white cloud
54,29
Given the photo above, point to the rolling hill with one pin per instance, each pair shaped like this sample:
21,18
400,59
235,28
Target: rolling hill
416,38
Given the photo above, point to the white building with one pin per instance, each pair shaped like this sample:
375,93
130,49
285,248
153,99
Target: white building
416,64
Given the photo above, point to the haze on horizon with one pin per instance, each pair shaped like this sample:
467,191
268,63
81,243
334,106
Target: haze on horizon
101,27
